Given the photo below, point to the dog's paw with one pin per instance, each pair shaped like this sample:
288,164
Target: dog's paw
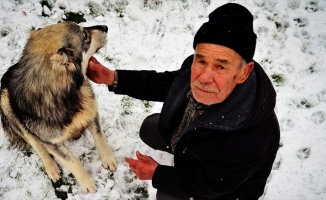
53,171
109,162
87,184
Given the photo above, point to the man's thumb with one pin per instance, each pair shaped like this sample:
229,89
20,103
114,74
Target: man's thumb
141,156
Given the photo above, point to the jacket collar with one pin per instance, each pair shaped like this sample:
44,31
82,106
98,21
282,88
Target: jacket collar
232,113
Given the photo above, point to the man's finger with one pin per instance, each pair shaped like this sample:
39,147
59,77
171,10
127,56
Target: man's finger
93,59
131,161
93,66
128,160
141,156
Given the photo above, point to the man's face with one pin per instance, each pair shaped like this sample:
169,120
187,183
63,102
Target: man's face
215,72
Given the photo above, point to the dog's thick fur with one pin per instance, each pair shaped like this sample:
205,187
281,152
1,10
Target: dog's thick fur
47,99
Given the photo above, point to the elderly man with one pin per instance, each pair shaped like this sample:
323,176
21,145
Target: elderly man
217,119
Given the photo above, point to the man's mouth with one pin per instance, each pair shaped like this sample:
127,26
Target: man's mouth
206,90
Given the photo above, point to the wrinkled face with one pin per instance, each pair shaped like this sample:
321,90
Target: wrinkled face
215,72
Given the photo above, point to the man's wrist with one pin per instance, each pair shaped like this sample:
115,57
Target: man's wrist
115,82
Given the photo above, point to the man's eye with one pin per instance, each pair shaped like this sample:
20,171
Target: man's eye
220,67
201,62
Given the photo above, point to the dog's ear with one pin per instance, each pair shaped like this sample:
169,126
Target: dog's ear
61,60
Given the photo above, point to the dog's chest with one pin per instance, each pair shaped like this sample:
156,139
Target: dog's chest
85,116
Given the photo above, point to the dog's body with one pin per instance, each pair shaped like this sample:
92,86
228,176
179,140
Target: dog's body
46,98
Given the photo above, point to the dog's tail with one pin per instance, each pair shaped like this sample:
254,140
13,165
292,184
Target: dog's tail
10,123
12,133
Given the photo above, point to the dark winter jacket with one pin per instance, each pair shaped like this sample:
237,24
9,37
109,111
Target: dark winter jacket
212,160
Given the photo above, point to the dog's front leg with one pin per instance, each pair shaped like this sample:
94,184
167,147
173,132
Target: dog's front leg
50,165
72,164
107,156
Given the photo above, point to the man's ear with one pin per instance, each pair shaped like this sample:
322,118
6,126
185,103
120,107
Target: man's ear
245,71
61,60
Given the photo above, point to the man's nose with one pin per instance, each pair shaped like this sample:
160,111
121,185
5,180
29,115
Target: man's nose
206,75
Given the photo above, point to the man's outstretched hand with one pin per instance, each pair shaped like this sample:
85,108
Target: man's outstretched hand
98,73
144,167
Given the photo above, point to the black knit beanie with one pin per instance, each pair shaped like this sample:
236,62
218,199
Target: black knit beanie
230,25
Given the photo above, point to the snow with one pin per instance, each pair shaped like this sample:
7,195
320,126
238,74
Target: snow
291,47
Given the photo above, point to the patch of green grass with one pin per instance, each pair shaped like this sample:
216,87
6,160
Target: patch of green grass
148,105
138,191
74,17
278,79
19,1
95,9
127,104
141,192
47,4
129,177
62,194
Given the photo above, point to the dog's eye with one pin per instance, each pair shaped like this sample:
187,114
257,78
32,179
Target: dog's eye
86,35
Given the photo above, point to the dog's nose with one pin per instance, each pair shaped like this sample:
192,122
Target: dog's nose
104,28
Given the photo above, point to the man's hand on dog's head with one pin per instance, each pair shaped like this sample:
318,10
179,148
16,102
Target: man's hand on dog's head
99,73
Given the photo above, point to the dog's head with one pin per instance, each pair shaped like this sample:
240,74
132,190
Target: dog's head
65,46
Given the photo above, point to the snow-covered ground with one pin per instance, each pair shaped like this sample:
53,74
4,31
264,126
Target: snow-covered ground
291,47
